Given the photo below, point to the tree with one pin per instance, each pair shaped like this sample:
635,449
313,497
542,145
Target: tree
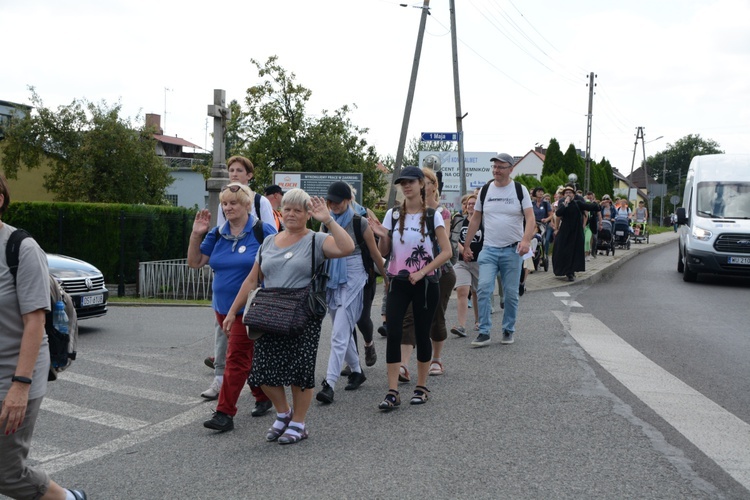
678,157
415,145
274,131
96,155
553,158
573,164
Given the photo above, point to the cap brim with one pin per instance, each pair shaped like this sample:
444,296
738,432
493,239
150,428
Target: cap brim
334,198
398,181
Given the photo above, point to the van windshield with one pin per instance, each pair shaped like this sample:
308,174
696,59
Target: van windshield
724,200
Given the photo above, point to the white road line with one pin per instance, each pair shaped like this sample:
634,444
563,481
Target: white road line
148,369
41,452
134,438
716,432
561,294
571,303
136,392
95,416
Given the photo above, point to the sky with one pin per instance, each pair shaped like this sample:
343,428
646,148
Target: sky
674,67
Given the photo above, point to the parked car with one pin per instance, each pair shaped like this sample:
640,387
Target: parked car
83,282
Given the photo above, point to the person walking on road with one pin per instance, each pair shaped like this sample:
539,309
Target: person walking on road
569,255
505,241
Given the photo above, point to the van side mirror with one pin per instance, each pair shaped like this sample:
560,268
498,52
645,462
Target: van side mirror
682,218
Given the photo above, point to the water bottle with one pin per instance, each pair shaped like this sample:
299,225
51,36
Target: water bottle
60,318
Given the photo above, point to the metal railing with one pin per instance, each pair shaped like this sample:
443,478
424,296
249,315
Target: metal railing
180,163
173,279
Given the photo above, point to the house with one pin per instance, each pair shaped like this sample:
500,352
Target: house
530,164
189,187
624,188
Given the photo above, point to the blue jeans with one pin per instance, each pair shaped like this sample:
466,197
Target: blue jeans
507,263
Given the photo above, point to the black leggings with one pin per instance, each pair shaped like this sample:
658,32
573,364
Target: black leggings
424,300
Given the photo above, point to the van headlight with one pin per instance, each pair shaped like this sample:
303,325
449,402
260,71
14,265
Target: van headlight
701,234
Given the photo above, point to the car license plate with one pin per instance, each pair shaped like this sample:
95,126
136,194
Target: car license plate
620,233
740,260
91,300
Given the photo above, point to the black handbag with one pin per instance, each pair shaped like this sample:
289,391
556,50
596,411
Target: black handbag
286,312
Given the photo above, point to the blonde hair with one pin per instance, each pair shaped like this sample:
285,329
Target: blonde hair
429,174
242,195
296,198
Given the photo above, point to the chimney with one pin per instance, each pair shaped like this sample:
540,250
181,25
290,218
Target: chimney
154,120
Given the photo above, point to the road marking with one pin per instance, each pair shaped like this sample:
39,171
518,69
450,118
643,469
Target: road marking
136,392
719,434
95,416
140,436
571,303
561,294
150,370
41,452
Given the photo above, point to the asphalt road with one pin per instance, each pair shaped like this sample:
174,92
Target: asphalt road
542,418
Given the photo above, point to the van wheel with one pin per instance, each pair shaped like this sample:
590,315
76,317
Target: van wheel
689,275
680,264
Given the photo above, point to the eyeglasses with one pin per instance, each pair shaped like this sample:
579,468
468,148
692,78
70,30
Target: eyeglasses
502,167
232,189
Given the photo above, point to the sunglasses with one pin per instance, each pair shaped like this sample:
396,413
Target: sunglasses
232,189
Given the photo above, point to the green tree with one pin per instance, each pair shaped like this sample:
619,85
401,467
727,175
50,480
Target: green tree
678,157
275,132
96,155
553,158
415,145
551,182
574,164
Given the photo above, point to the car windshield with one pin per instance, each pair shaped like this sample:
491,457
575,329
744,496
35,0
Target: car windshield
724,200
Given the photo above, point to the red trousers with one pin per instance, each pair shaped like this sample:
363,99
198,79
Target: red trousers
239,361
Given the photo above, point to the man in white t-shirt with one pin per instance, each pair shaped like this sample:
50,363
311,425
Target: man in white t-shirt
505,241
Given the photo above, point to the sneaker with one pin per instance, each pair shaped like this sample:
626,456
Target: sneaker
212,392
383,330
209,362
220,422
459,331
261,408
325,395
346,371
482,340
371,357
78,494
355,380
507,337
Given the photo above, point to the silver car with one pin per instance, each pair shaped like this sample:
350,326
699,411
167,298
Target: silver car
83,282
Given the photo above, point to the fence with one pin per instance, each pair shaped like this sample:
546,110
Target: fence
173,279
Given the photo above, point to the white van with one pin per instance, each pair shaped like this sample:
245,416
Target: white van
715,217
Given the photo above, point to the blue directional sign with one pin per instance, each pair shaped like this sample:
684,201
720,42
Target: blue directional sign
439,136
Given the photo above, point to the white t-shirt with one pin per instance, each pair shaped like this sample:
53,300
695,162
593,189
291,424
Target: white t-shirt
266,212
416,251
503,215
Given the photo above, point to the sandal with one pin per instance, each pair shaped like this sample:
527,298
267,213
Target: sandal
391,402
436,368
403,374
421,395
296,435
273,433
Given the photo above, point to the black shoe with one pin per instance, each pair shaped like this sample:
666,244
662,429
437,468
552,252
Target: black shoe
571,277
78,494
355,380
220,422
521,289
383,330
371,357
325,395
261,408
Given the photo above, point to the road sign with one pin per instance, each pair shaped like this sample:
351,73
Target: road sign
439,136
316,183
674,200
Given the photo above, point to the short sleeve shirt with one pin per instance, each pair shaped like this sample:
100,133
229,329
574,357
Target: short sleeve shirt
410,251
290,267
503,214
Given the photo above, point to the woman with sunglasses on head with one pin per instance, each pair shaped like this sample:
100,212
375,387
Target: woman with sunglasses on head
230,250
413,280
284,260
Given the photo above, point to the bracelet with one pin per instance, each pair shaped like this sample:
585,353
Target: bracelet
23,380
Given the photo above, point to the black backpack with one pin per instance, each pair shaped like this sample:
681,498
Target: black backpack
367,261
62,348
257,231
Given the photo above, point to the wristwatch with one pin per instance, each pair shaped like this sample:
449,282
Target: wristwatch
23,380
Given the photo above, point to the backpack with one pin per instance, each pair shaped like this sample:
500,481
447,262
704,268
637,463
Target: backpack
257,231
367,261
430,223
62,348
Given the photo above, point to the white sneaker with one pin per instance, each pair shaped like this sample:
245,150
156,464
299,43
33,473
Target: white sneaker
212,392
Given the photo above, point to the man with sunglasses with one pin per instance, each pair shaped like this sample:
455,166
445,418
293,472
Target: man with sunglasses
503,210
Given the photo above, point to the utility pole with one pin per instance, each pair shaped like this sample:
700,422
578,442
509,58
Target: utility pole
664,194
164,130
587,177
409,101
457,93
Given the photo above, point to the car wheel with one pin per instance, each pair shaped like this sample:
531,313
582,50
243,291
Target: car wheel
680,263
688,274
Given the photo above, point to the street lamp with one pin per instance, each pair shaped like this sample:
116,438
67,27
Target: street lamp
573,178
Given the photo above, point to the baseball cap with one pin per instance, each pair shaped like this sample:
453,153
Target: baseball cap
504,157
409,173
338,192
273,189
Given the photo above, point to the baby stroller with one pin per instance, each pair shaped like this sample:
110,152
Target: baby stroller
640,232
605,238
540,258
622,232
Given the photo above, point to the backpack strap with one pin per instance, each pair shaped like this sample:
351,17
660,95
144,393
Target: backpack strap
257,205
13,249
258,231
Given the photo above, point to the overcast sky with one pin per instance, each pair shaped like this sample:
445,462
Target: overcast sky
675,67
